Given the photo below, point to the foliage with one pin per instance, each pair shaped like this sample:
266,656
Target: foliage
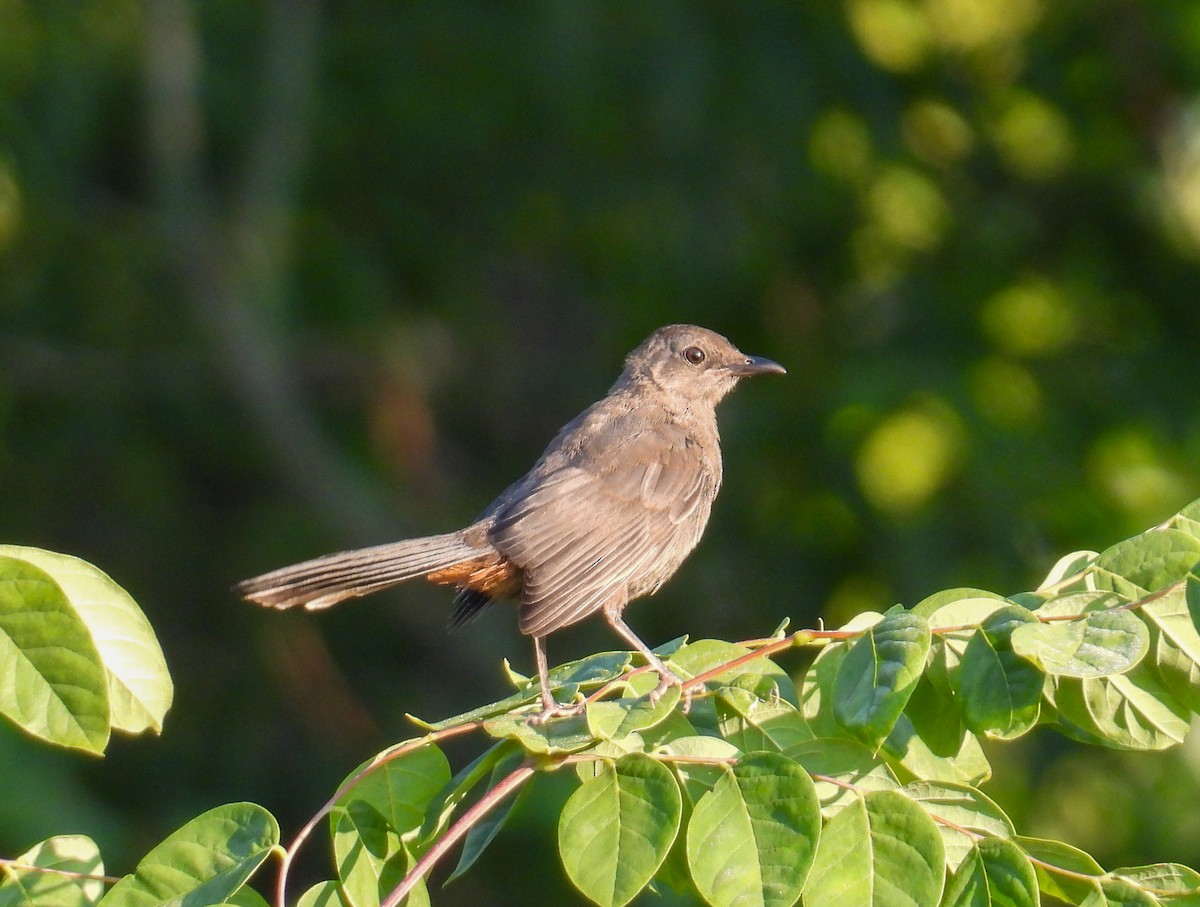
861,786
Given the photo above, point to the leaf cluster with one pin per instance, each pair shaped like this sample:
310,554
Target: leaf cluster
858,783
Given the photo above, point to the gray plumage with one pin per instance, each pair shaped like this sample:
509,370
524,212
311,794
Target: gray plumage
613,506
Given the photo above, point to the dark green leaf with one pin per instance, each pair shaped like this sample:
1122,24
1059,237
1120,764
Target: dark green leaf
1000,692
484,832
878,676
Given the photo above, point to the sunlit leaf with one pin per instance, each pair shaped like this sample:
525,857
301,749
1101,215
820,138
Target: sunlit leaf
139,686
1099,643
751,723
615,830
368,853
832,760
206,860
752,838
24,887
966,808
1146,562
1079,883
53,685
401,789
883,851
993,873
1126,711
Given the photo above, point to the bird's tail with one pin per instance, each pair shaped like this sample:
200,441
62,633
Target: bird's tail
328,580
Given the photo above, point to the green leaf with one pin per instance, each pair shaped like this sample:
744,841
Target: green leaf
994,873
699,778
248,897
949,644
1000,692
616,830
878,676
967,808
204,862
53,684
439,810
562,735
913,757
139,685
401,789
368,853
752,838
1072,885
612,719
705,654
956,607
21,887
483,832
847,761
883,851
1099,643
751,723
1127,711
592,672
1176,643
1120,893
323,894
1146,562
1181,882
1067,567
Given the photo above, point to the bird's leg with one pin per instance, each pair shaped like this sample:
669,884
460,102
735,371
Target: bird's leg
550,706
666,677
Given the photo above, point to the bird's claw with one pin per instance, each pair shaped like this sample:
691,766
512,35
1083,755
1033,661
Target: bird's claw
666,680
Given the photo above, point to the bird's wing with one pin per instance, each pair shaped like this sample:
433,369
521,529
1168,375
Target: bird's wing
581,532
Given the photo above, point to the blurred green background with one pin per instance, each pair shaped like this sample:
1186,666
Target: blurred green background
280,278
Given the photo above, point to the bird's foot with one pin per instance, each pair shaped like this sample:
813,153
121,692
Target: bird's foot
552,709
667,679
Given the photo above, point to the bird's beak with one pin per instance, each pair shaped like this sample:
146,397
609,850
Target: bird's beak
756,365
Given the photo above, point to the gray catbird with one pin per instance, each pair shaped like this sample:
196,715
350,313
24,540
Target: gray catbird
617,501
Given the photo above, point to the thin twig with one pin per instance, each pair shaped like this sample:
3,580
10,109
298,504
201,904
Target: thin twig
83,876
380,759
487,802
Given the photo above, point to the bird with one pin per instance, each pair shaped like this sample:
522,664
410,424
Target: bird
608,513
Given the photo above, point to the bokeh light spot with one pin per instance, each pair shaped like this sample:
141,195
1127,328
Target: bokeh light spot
1005,392
1032,318
1033,137
892,33
10,206
908,208
936,132
840,145
909,457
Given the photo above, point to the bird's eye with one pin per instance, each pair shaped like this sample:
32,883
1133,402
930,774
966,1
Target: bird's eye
694,355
